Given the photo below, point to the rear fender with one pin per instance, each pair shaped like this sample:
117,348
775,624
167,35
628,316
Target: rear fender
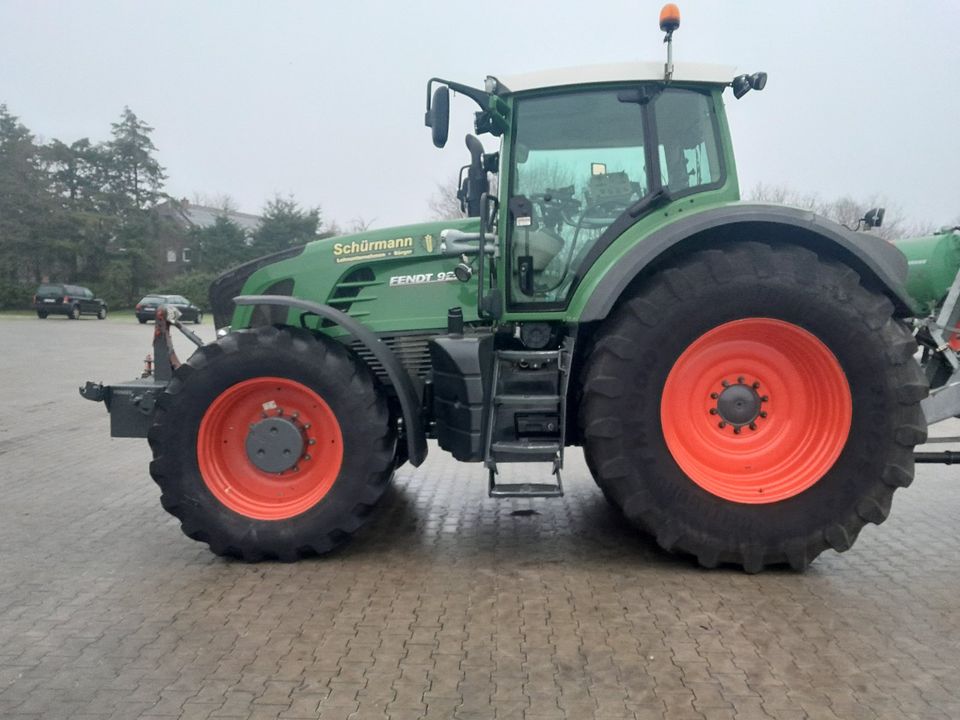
881,265
406,393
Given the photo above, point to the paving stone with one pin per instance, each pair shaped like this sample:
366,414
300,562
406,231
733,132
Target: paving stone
447,606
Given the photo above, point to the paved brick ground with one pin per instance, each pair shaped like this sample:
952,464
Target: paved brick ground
450,605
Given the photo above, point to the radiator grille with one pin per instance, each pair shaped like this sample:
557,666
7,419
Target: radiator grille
411,350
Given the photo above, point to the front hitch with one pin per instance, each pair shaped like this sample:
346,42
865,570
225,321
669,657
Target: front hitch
132,404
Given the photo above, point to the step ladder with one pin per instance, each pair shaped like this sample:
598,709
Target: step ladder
512,401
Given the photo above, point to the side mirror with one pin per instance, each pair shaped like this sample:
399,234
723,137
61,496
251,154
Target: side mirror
438,115
874,217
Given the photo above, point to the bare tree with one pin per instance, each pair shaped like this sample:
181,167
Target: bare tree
844,210
443,203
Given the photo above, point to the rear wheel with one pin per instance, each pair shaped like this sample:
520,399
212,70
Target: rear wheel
272,444
198,319
41,314
753,406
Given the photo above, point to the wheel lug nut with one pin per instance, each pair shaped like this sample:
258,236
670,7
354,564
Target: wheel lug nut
307,426
721,424
763,413
736,430
311,441
713,411
307,457
725,383
714,396
756,386
764,398
740,380
295,415
753,426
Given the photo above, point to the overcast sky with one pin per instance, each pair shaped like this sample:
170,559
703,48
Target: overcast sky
325,100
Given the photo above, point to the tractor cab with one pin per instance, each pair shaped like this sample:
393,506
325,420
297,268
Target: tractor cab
587,154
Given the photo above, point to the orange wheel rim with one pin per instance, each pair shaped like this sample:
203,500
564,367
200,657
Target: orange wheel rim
756,410
246,411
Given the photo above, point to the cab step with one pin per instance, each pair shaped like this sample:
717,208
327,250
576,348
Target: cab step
545,400
526,424
525,450
526,490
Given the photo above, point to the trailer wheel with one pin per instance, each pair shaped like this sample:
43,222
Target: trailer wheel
753,405
272,444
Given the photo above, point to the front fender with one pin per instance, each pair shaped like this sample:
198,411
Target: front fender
406,393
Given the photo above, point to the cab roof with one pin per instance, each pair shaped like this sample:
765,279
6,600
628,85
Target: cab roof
617,72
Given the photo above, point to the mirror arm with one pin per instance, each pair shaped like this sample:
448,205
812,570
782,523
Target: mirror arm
480,97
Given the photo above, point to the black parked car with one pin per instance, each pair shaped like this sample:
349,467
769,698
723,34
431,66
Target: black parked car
70,300
147,308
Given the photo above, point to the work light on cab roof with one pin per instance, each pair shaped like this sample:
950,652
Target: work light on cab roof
669,21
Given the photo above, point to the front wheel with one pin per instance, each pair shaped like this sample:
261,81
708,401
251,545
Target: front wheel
272,444
75,312
102,313
753,406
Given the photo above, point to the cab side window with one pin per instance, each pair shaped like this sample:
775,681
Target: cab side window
686,130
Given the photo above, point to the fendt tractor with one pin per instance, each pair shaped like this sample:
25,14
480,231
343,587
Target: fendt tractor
743,378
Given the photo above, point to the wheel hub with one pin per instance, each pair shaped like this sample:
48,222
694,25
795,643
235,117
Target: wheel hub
275,444
739,405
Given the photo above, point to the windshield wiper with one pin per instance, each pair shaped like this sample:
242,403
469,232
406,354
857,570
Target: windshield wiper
649,202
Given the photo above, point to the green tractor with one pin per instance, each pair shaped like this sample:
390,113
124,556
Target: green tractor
741,377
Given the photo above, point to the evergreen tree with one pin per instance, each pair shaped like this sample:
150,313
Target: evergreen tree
285,224
25,206
220,246
135,176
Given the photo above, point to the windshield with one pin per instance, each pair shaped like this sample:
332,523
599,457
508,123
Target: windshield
580,162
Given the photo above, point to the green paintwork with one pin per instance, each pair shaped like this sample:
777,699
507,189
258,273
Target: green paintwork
933,261
386,308
381,307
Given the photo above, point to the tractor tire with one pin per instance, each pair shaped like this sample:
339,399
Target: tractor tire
753,406
272,444
74,312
